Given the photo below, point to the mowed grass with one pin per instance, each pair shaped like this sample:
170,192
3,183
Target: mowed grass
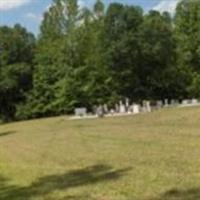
153,156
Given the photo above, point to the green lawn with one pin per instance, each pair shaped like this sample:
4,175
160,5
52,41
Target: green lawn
153,156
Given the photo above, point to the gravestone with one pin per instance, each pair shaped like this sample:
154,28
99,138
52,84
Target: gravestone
148,106
116,108
185,102
144,106
195,101
122,107
166,103
94,110
127,104
105,108
112,111
100,111
159,104
80,112
172,102
136,108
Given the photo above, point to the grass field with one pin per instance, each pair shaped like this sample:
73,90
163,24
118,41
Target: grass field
153,156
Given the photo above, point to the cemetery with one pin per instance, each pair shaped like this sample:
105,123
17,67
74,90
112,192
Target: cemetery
127,108
99,99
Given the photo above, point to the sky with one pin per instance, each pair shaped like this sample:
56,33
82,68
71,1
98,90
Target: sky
29,12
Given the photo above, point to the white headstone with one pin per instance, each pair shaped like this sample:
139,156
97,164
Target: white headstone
116,108
105,108
100,111
112,112
185,102
148,105
195,101
81,112
166,102
144,106
136,108
122,107
127,103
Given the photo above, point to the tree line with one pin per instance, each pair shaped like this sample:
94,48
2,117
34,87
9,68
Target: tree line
89,56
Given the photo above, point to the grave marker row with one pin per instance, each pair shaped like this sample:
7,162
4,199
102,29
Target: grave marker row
127,108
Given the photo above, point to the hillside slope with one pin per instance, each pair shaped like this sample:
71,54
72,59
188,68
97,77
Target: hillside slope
152,156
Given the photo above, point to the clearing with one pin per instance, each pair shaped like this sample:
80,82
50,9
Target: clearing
154,156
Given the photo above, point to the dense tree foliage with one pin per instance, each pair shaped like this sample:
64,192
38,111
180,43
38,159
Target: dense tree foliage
86,57
187,32
16,68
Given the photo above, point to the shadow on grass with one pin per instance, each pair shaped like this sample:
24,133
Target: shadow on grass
71,179
77,197
176,194
7,133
